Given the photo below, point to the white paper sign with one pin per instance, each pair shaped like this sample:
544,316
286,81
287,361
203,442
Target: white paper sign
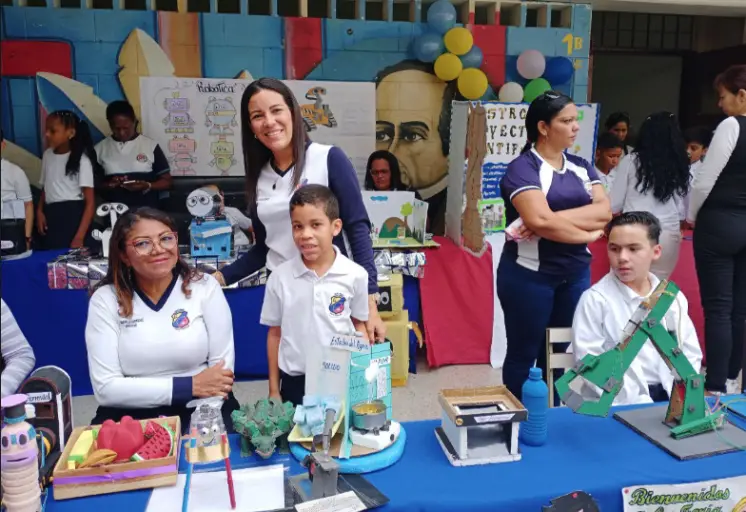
725,495
346,502
356,344
327,371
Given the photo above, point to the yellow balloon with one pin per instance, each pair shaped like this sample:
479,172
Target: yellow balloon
458,41
472,83
448,67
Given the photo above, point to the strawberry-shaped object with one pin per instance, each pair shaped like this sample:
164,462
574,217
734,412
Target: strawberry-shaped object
125,437
159,444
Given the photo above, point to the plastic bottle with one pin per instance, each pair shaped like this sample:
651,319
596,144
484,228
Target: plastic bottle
533,431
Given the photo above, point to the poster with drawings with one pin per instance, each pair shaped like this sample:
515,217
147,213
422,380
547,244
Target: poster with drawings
197,121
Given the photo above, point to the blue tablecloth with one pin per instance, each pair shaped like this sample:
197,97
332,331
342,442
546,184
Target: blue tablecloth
596,455
54,320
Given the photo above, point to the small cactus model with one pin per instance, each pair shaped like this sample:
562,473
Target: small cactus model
261,424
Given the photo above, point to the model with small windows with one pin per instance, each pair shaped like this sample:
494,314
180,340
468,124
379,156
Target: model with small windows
210,232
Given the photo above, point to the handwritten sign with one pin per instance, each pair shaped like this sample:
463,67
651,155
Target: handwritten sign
327,372
713,495
345,502
350,343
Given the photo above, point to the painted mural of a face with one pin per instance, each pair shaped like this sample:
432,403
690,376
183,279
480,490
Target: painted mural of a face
409,102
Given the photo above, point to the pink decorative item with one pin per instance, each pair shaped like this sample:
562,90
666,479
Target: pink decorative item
125,437
20,463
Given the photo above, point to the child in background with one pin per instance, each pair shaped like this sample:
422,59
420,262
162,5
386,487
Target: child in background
240,223
605,309
698,141
609,149
313,296
66,207
14,186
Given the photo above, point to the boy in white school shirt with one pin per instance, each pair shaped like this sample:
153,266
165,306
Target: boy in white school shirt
605,309
313,296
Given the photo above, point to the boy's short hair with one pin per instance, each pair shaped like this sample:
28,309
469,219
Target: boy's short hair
698,135
319,196
644,219
608,140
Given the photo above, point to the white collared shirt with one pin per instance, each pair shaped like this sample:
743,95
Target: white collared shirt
59,186
606,179
310,309
600,318
15,188
626,197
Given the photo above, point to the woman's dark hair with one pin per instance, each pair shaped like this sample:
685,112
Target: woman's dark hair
120,108
382,154
616,118
255,154
608,140
81,144
544,108
121,277
662,161
732,79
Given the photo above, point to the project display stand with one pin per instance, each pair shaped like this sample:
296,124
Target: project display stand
480,425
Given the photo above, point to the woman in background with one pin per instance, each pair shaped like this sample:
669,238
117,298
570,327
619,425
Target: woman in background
655,178
382,172
67,205
17,355
135,169
159,333
717,210
563,207
618,124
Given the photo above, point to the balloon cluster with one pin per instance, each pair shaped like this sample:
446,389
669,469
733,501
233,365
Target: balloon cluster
542,75
452,50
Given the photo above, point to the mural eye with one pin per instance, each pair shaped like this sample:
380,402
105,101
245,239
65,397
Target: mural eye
22,439
5,442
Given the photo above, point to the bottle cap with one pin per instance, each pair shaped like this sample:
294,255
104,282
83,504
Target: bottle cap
534,373
14,408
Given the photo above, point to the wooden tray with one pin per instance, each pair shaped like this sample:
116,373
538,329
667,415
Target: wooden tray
123,476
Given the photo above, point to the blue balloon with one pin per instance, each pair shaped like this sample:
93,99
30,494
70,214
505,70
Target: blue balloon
441,16
559,70
473,58
428,47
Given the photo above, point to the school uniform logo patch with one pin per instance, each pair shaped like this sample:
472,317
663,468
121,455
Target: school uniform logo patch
179,319
142,158
337,304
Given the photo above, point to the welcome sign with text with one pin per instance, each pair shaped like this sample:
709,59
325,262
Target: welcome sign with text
726,495
506,136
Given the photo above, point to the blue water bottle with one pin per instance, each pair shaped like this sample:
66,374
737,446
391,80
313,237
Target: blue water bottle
536,400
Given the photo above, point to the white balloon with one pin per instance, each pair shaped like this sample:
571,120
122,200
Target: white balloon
531,64
511,92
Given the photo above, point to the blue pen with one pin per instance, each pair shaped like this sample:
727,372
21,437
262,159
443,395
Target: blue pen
185,502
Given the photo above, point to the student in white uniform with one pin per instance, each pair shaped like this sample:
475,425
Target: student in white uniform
159,333
609,149
14,186
135,169
18,358
604,310
655,178
279,158
310,298
67,205
697,143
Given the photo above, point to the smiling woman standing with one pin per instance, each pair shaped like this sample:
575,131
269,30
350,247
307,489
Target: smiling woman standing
279,158
135,168
564,207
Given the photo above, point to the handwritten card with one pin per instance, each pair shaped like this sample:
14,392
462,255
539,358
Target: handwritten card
350,343
346,502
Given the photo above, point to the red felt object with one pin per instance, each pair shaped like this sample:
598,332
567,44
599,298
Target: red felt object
125,437
457,305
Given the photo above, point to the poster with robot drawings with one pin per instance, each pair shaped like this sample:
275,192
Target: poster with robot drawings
197,121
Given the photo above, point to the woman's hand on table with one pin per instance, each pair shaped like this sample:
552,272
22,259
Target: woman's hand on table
213,381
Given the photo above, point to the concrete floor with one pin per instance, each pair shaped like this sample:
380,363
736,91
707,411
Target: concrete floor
417,401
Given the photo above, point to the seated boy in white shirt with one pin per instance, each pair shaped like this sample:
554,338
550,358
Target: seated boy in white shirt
312,297
605,309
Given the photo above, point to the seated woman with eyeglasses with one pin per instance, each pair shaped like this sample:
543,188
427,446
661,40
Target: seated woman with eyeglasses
159,333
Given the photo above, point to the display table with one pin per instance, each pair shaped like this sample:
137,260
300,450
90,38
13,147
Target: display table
596,455
54,320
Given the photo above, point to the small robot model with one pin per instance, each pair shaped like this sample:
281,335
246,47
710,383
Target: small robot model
113,210
20,464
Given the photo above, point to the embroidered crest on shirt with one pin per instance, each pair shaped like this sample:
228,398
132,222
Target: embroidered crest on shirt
179,319
142,158
337,304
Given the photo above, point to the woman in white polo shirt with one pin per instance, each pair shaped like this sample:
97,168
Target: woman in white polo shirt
159,333
135,169
15,187
280,158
